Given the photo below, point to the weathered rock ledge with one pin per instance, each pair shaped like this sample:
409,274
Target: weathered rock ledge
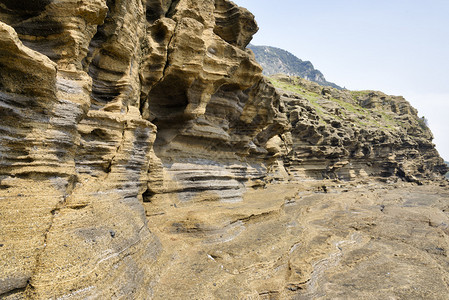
348,135
136,141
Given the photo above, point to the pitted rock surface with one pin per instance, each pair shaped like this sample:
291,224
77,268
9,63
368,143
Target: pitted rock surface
144,156
352,135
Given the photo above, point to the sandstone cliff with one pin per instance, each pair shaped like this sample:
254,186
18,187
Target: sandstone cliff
348,135
130,132
83,86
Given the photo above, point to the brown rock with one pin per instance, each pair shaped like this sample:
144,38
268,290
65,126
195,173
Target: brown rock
349,135
138,140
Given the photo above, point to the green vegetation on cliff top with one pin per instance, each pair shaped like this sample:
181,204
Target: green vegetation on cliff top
351,111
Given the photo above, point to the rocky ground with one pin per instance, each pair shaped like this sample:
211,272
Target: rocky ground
309,240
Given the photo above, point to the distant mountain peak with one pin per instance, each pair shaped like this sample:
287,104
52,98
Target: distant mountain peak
275,60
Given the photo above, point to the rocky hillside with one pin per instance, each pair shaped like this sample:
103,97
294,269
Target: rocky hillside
278,61
138,143
348,135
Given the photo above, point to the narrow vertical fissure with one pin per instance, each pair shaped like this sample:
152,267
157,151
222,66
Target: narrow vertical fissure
54,212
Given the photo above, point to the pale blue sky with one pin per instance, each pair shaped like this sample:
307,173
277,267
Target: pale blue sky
400,47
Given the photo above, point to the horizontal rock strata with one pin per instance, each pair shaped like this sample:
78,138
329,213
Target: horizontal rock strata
132,133
349,135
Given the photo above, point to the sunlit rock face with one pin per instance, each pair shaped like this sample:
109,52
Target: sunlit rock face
83,86
114,114
72,169
339,134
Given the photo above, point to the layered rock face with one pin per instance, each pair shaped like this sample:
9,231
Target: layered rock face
349,135
82,85
71,172
116,113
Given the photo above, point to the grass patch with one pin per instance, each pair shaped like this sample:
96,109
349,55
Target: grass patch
298,89
362,116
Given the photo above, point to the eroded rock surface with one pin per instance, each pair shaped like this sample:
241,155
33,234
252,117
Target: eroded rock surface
349,135
81,82
311,240
136,139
